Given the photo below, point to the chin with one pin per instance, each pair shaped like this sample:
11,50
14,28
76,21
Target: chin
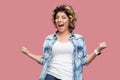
61,31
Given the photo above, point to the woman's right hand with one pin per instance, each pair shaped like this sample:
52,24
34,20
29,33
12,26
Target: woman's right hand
29,54
24,50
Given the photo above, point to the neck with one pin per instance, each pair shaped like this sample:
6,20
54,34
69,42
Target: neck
66,33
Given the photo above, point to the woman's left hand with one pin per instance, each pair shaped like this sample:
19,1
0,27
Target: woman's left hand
101,46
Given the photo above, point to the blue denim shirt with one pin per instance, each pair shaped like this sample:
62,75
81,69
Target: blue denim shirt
78,57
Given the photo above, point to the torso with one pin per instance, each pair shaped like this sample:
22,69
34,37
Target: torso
61,63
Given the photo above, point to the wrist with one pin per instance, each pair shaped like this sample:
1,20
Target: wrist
27,52
97,52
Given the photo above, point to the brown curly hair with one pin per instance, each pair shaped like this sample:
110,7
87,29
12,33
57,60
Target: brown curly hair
69,11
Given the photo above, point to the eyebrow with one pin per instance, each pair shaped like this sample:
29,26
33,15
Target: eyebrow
61,15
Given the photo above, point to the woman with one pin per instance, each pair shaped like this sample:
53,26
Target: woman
64,51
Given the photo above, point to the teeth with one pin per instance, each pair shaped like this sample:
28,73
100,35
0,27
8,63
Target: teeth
61,25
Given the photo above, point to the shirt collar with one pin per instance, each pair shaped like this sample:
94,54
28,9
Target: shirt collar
55,35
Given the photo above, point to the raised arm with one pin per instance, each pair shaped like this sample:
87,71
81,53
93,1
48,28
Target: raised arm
29,54
98,50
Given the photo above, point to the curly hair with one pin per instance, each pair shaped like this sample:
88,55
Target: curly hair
69,11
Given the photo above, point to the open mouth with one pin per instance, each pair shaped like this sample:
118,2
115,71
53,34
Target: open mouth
60,25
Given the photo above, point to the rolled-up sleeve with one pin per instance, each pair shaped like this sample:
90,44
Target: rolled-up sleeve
42,57
41,60
84,56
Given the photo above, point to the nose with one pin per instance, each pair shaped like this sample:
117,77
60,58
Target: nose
59,19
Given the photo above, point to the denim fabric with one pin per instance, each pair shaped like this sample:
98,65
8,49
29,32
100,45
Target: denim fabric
78,57
50,77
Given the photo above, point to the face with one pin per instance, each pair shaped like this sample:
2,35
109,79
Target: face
62,22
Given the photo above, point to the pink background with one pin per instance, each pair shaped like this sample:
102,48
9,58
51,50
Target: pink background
28,22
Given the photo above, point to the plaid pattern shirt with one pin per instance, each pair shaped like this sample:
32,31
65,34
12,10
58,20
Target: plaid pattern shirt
78,57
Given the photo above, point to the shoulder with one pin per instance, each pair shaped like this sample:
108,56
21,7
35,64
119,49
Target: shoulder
79,39
50,36
78,36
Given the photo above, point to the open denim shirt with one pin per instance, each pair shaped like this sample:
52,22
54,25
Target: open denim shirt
78,57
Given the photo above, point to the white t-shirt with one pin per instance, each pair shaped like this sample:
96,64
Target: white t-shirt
61,63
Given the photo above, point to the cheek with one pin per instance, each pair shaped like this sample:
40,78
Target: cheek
67,22
56,21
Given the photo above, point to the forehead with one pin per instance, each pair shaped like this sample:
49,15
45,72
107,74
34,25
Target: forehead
61,14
